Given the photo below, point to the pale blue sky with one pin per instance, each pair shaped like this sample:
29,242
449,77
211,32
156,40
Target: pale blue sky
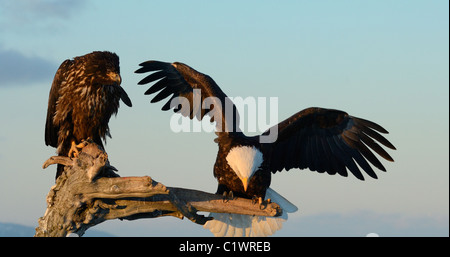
386,61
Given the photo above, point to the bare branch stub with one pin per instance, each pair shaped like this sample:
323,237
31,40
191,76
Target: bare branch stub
90,192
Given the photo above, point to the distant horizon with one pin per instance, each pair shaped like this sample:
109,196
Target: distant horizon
319,225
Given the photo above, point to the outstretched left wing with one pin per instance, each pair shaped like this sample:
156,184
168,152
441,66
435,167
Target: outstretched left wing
327,140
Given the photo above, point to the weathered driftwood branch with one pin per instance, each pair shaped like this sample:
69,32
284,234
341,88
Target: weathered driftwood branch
90,192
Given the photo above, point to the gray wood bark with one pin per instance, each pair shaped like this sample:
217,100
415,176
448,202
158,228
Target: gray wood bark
89,192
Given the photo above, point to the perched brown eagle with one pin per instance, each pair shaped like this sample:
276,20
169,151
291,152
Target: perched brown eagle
84,94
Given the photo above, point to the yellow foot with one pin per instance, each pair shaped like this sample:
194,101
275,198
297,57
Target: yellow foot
262,203
74,152
256,199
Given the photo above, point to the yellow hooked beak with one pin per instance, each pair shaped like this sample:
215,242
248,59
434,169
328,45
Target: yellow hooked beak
115,77
245,183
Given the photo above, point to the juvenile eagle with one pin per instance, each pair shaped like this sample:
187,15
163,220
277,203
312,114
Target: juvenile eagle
322,140
84,94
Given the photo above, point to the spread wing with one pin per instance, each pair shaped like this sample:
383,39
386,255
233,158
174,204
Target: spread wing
51,129
193,94
326,140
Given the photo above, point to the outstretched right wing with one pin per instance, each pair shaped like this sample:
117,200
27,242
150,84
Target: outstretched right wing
326,140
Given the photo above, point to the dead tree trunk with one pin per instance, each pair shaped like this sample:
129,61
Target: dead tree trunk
90,192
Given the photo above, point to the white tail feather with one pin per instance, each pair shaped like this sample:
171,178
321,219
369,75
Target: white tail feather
237,225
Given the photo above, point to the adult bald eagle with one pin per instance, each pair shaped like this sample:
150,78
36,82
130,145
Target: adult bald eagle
84,94
323,140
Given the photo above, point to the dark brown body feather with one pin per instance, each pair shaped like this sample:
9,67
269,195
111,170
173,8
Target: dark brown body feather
85,93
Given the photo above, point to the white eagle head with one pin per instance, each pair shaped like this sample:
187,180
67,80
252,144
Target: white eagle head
245,161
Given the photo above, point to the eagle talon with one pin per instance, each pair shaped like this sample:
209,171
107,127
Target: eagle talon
227,196
74,148
256,199
231,195
224,199
73,151
262,203
82,144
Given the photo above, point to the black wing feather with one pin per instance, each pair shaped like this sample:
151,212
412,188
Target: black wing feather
331,141
125,98
162,94
338,156
376,136
181,80
152,77
352,145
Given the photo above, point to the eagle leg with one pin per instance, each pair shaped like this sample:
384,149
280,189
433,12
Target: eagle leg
74,152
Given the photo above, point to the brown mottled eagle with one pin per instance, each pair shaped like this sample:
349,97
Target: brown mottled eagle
84,94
